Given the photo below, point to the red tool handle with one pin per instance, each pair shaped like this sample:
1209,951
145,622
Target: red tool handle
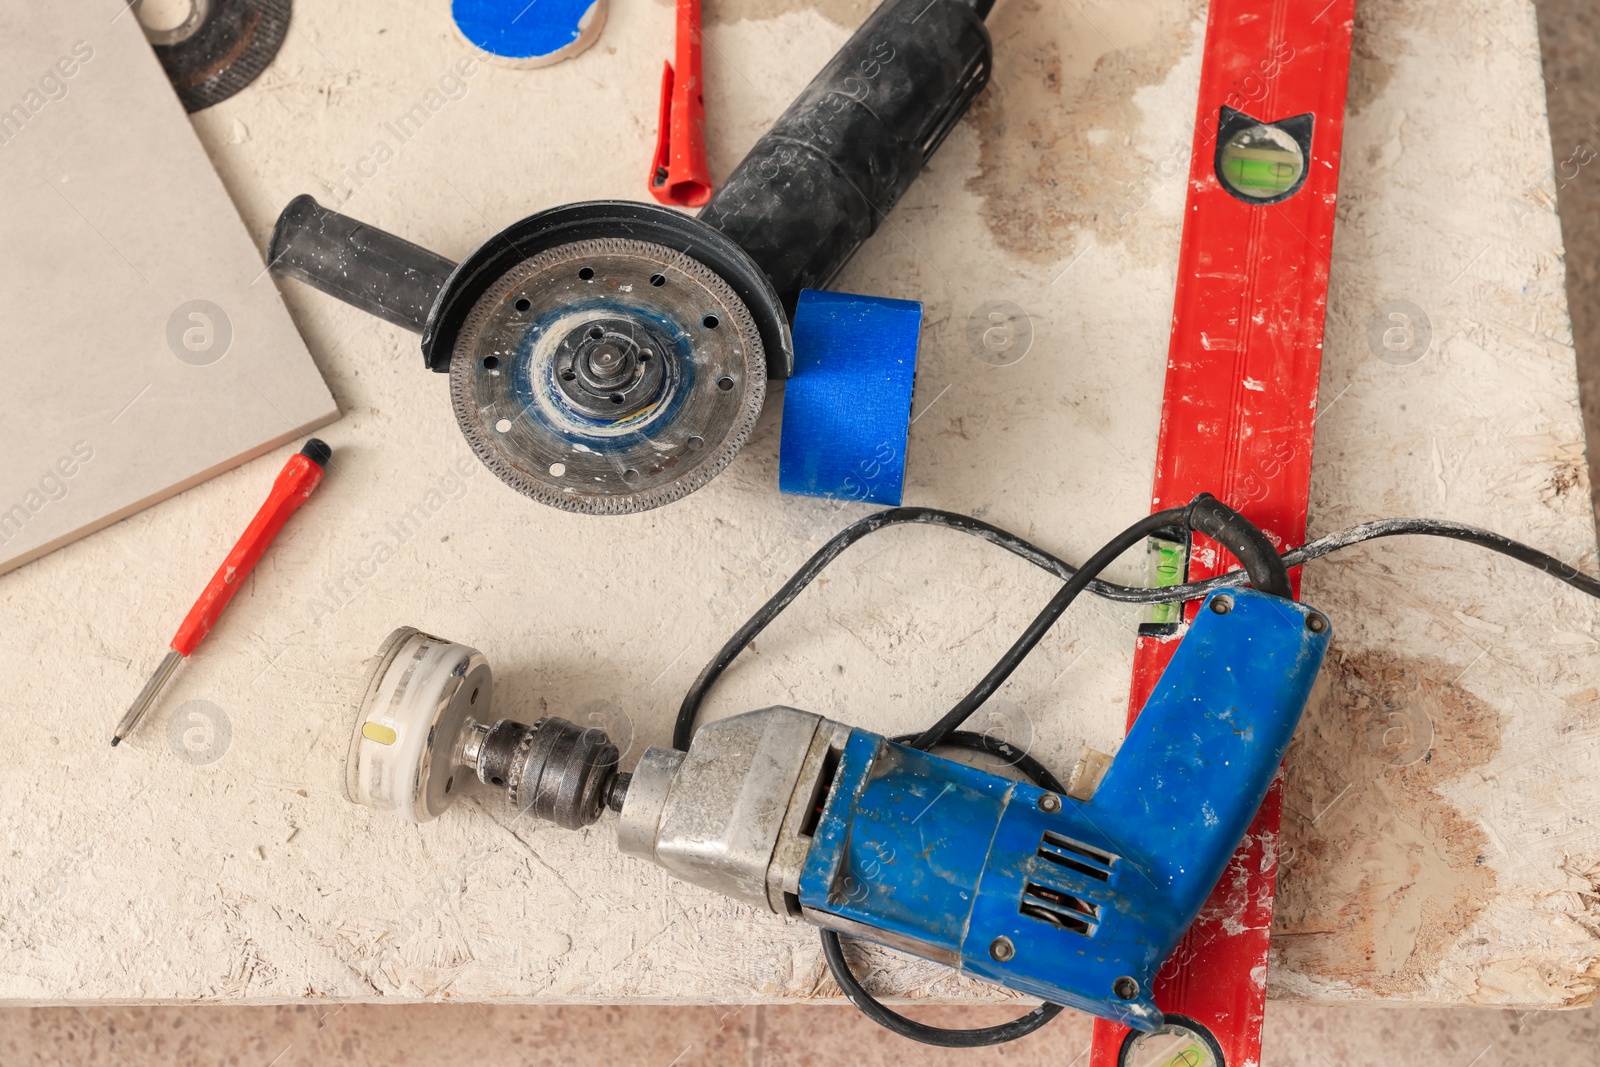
291,489
679,175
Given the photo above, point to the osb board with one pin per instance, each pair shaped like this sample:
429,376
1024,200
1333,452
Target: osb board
142,874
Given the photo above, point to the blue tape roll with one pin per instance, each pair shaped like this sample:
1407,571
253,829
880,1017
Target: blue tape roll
536,33
847,409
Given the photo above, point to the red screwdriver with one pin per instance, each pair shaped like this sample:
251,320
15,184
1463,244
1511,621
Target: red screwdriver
292,488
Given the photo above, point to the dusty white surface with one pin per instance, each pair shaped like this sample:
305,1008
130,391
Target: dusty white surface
138,875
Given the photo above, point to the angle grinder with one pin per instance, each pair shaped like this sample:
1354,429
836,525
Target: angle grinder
607,357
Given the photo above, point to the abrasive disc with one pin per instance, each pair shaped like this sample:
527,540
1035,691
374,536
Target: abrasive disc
218,48
608,376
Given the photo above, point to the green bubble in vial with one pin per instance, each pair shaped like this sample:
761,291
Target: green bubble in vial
1165,564
1169,1047
1193,1055
1261,162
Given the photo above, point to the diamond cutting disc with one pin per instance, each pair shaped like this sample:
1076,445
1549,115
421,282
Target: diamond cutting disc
608,376
217,48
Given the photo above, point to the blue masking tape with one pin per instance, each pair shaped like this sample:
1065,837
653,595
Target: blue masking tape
847,409
518,29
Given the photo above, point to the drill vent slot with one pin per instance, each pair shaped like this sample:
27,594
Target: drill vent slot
819,793
1059,909
1076,856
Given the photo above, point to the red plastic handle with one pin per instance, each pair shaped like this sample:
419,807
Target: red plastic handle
291,489
679,175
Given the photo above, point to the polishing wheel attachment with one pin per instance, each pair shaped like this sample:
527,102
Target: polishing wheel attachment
421,698
424,735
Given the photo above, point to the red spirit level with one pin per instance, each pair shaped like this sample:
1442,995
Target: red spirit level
1236,420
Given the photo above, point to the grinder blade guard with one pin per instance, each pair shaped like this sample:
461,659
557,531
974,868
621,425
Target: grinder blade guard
708,298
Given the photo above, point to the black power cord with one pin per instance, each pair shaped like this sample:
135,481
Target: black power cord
1122,594
944,1037
1264,569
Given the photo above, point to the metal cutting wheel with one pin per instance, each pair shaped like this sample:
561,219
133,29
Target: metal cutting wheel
217,48
607,376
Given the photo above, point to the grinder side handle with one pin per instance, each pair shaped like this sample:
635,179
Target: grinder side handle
376,271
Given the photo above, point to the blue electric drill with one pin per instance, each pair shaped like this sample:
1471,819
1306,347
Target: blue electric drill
1074,894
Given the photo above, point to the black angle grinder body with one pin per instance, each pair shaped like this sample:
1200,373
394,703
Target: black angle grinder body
608,357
